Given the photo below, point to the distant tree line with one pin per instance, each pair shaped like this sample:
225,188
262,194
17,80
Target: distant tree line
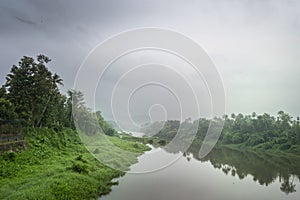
258,129
31,93
263,131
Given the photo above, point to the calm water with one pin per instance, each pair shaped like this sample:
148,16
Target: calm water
223,175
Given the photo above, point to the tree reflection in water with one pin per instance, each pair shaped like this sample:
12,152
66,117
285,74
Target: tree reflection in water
288,187
264,168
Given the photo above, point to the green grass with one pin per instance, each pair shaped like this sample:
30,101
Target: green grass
58,166
113,151
154,141
266,147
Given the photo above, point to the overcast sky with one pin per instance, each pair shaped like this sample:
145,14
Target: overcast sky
255,44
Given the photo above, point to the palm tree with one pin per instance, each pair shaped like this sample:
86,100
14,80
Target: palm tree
254,115
287,186
55,81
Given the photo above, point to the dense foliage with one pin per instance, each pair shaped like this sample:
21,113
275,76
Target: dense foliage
31,93
56,164
260,131
33,90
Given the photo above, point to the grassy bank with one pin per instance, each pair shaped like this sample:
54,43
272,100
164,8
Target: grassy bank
58,166
264,148
259,149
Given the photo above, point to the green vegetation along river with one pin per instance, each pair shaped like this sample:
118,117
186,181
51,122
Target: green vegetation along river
57,166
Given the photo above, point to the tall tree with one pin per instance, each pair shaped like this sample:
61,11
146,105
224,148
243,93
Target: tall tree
7,110
31,86
2,92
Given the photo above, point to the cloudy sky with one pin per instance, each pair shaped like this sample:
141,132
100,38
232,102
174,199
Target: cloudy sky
255,44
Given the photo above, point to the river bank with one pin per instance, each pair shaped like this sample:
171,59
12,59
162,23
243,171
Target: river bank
58,166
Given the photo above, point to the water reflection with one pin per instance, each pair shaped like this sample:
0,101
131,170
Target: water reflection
264,168
234,174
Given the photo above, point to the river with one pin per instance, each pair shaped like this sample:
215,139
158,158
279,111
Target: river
224,174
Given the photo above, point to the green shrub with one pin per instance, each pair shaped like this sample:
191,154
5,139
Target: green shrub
79,168
73,186
281,140
80,158
254,140
162,142
236,138
295,149
135,145
284,146
227,138
9,156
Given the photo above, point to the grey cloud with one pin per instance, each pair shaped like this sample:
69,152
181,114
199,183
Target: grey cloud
255,44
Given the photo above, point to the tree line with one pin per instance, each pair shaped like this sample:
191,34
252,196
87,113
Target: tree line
31,93
262,131
258,129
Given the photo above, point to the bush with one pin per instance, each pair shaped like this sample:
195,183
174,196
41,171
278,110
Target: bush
237,139
268,145
254,140
80,158
9,156
284,146
150,141
79,168
295,149
110,132
227,139
74,186
162,142
135,145
281,140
